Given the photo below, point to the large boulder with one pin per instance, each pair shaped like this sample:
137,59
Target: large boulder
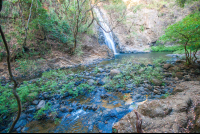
154,109
179,88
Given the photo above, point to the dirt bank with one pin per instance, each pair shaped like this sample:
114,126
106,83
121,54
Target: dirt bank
91,51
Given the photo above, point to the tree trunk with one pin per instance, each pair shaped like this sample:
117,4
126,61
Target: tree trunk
187,54
74,48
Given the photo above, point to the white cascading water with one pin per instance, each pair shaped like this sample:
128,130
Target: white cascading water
108,36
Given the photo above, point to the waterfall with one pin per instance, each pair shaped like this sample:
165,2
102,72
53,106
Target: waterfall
108,36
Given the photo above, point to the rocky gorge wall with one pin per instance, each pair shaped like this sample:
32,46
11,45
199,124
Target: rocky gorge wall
145,22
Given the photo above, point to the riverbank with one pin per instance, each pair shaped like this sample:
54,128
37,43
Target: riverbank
177,113
33,65
93,98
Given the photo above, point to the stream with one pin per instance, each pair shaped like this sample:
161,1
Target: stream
98,110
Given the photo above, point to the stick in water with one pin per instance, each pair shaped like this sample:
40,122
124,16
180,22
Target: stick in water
138,122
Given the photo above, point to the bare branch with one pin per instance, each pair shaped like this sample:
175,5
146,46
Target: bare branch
83,3
183,35
91,21
26,28
92,7
29,14
68,5
20,9
123,16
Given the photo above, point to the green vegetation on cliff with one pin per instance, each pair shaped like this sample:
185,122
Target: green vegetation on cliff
182,3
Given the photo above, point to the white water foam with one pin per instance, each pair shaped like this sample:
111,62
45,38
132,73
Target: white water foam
77,113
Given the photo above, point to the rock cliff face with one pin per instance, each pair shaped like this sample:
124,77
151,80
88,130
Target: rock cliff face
145,22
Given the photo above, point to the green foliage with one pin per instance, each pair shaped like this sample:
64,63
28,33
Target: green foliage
8,103
142,28
5,95
5,9
14,1
182,3
1,55
47,23
96,69
57,121
115,6
134,73
162,48
165,95
176,49
137,8
15,13
186,29
27,66
69,87
57,81
156,4
79,51
40,113
187,33
52,25
114,130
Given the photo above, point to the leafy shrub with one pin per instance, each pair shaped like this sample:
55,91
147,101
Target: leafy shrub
162,48
186,33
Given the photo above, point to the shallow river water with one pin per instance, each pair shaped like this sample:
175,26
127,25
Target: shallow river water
109,110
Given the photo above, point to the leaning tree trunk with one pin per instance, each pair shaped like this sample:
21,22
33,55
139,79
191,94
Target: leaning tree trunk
11,76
